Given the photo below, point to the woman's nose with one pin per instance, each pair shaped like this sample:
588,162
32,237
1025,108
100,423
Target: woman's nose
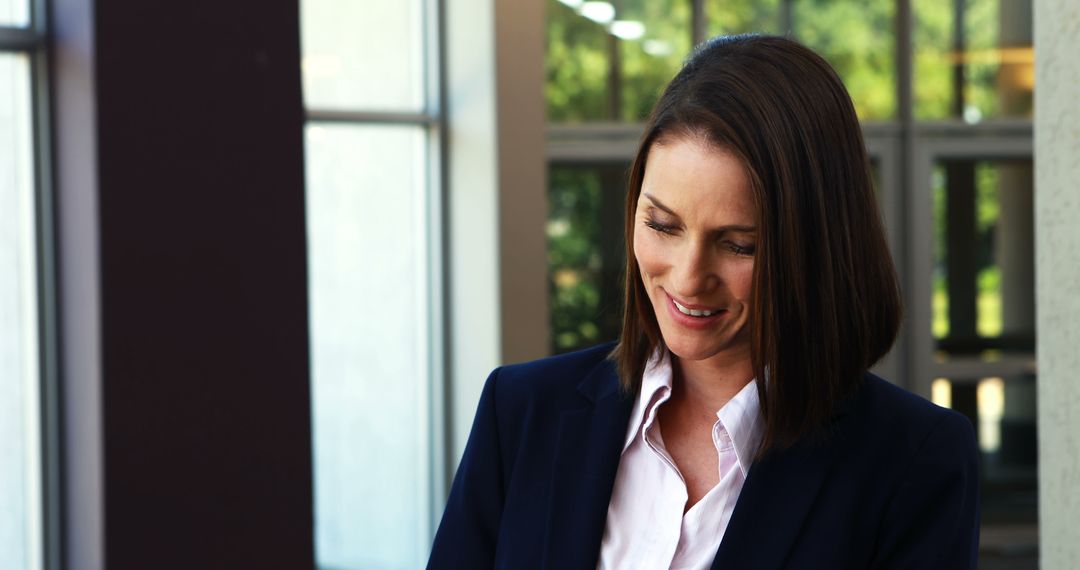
693,274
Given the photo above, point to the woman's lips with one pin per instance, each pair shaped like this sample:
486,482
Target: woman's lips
694,322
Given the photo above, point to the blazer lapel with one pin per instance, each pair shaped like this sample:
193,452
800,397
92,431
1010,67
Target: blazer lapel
775,500
587,458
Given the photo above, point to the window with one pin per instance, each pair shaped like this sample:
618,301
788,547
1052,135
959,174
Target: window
944,90
22,473
373,145
585,252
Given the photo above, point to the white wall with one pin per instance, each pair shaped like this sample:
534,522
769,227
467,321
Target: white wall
497,196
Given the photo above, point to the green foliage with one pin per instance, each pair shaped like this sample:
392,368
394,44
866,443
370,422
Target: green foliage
581,55
576,67
857,39
644,75
725,17
936,58
988,274
574,260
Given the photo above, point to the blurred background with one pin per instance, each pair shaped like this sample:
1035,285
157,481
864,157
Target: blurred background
452,199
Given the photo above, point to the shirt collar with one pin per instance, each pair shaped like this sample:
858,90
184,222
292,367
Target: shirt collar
741,416
657,378
742,419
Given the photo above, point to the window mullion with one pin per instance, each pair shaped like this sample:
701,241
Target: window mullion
19,39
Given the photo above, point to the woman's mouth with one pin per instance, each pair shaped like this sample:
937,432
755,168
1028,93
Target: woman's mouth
694,312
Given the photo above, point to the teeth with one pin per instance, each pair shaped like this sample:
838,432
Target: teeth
692,312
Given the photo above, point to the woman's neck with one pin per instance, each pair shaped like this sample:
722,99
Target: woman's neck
702,387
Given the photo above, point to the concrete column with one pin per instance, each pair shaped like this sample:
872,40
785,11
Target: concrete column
1057,246
496,201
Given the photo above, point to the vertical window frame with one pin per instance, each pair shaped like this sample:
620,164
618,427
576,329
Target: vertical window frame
432,119
31,41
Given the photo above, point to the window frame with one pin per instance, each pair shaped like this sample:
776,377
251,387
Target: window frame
32,41
905,151
432,119
903,147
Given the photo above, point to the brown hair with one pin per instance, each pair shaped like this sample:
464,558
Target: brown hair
826,303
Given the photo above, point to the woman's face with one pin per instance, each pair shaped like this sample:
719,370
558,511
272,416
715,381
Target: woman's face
694,240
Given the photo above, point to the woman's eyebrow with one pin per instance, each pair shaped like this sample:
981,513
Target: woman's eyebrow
660,204
736,229
720,230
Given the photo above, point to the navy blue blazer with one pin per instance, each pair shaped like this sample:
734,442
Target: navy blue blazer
894,484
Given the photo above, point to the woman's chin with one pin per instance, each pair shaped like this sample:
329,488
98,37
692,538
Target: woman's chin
696,349
691,350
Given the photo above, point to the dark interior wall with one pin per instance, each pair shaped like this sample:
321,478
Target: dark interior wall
202,274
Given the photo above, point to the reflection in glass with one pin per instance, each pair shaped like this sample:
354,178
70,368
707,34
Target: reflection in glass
366,204
1002,411
983,279
347,44
990,395
20,466
973,59
941,392
597,71
612,71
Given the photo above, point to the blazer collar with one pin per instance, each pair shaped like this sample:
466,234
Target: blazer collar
775,500
600,383
777,496
586,461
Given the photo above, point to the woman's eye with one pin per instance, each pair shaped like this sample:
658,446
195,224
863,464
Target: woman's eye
655,225
739,249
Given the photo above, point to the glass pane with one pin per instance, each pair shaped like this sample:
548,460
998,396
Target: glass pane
1003,411
858,39
585,253
608,64
369,327
20,471
15,13
973,59
598,72
363,55
983,279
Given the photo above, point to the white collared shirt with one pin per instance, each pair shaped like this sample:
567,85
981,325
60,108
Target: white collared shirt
646,527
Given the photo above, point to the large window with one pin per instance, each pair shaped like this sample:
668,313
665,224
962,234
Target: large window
371,87
944,90
21,441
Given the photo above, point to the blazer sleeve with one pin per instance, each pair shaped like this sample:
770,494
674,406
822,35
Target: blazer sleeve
469,529
932,522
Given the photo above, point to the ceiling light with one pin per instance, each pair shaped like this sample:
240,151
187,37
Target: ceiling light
627,29
600,12
657,48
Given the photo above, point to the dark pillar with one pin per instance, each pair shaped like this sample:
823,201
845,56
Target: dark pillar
190,119
960,245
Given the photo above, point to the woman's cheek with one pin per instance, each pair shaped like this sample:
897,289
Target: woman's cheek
742,278
648,253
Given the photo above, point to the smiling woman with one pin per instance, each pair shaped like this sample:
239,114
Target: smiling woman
735,424
696,257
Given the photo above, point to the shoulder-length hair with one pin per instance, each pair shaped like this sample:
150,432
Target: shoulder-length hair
826,302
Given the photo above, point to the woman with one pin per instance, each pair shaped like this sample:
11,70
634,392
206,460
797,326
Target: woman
734,425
